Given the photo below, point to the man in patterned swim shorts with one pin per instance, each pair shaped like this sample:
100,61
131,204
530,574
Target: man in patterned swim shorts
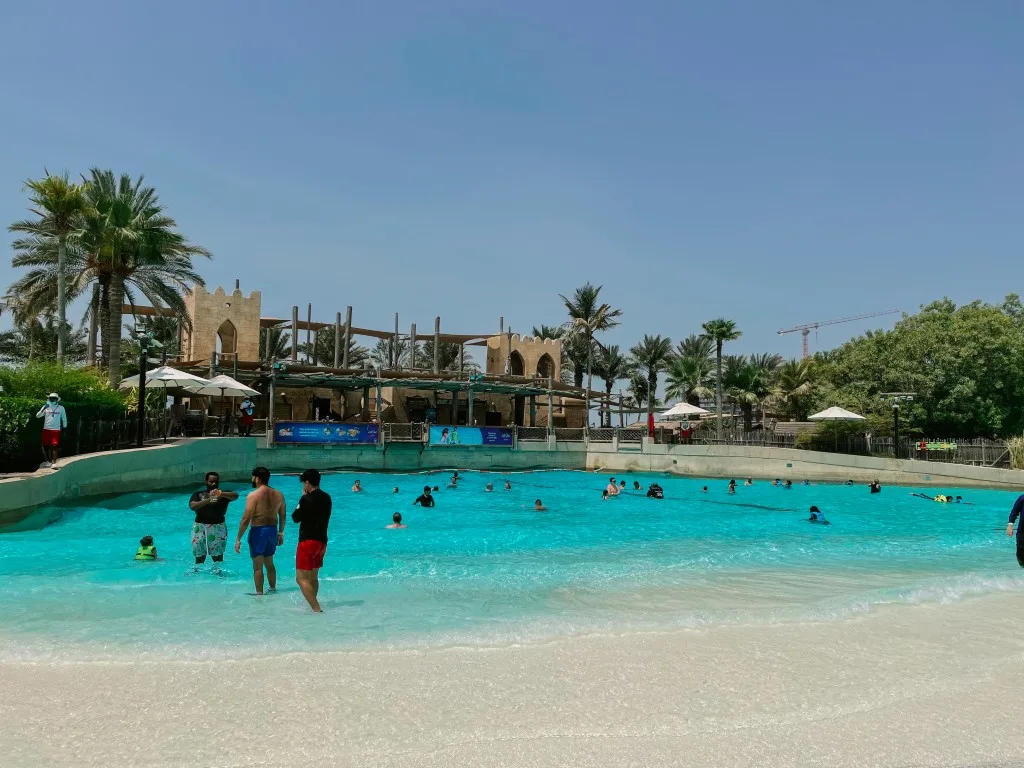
210,532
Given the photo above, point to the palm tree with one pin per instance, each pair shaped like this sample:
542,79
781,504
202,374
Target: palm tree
35,340
720,331
687,378
323,348
587,316
695,346
611,365
640,391
383,354
793,383
649,358
279,346
126,244
59,204
449,357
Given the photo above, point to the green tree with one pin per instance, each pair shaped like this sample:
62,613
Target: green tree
448,356
35,341
720,331
588,316
793,384
58,205
279,347
611,366
696,346
687,377
649,358
323,350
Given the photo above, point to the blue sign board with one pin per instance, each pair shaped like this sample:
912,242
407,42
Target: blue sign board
308,432
448,435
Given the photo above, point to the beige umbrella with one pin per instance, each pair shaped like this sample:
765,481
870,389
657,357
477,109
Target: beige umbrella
166,377
835,413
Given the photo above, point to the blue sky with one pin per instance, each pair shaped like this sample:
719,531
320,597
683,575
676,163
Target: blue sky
775,163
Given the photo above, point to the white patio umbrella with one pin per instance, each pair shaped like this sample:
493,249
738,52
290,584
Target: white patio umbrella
684,409
835,413
166,377
225,386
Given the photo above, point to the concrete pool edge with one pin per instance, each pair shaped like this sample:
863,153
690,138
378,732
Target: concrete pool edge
184,462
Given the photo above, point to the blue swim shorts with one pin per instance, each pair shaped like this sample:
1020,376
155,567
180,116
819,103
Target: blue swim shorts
262,540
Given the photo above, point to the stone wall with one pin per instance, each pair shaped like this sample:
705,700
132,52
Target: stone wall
209,311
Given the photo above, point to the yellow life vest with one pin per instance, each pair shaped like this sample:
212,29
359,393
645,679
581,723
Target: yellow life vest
145,553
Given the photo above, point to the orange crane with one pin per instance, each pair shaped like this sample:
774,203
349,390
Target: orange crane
805,330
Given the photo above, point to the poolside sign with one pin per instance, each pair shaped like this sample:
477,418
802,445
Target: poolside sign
315,432
449,435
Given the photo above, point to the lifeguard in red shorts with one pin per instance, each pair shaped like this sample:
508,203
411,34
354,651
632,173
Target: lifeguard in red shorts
55,418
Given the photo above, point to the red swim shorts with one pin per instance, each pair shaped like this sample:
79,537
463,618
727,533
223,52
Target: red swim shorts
309,555
51,438
247,420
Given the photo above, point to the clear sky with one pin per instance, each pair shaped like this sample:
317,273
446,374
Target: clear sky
775,163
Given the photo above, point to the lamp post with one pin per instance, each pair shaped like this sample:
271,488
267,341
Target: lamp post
895,398
145,339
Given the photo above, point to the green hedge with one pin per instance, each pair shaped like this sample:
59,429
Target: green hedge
85,396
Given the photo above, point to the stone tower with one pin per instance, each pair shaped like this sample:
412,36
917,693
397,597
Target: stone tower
524,356
226,323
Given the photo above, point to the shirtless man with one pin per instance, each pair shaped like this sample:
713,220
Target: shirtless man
612,488
264,510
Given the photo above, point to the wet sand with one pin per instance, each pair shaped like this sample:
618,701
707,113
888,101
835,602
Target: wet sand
904,686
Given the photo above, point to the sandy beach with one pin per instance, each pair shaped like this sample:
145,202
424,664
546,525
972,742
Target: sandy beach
903,686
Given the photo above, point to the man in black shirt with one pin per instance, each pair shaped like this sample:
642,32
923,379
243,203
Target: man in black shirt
424,499
313,515
209,531
655,492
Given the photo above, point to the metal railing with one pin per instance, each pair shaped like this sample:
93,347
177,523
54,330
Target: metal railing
632,435
570,435
403,433
531,434
599,434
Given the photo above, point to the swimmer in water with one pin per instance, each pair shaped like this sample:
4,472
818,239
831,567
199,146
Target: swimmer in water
655,492
396,521
732,486
508,486
875,487
775,482
623,485
817,516
704,489
789,484
357,487
749,481
146,551
637,486
604,495
425,499
538,506
612,489
489,487
435,488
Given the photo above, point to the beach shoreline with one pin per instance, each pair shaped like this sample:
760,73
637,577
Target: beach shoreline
917,685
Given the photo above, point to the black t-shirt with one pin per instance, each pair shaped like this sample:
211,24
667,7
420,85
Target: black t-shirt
655,492
313,514
424,501
213,513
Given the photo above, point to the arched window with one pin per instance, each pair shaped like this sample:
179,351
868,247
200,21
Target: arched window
516,365
545,366
227,340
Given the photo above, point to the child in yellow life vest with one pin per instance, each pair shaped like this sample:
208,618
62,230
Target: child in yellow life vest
146,550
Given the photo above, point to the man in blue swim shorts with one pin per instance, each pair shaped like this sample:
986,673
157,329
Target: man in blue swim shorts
264,512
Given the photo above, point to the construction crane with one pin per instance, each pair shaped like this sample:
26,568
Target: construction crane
805,330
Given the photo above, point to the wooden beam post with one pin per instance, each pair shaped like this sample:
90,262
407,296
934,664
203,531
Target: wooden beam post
412,347
295,334
337,339
437,342
348,337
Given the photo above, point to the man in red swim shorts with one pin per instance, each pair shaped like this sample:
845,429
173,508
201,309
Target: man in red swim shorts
55,418
313,515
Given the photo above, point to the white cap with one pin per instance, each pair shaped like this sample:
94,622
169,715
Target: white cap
54,395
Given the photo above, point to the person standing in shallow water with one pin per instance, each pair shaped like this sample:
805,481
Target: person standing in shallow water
313,514
209,531
264,510
1018,508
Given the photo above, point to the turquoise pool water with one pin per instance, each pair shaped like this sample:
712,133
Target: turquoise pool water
485,568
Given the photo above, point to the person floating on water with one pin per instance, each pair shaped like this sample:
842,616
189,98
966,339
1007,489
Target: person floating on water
1018,507
875,487
147,550
425,499
209,531
538,506
817,516
264,516
655,492
55,418
396,521
313,514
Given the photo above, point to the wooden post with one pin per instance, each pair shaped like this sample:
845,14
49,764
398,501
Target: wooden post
551,407
380,402
394,351
455,408
462,358
268,353
501,325
337,339
364,416
621,424
348,337
533,410
412,347
437,343
469,408
309,323
295,334
270,410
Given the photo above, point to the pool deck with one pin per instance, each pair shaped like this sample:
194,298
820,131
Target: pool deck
185,461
